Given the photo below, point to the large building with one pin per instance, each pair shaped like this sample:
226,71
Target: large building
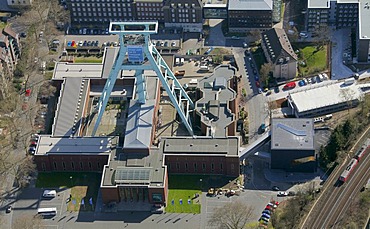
342,14
279,52
248,15
216,108
134,168
292,145
325,99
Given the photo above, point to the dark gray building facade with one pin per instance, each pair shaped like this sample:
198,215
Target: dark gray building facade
292,145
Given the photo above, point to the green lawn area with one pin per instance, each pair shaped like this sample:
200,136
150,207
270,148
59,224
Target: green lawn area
314,60
83,185
91,59
186,186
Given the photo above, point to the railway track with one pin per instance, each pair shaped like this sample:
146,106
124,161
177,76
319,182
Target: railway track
328,210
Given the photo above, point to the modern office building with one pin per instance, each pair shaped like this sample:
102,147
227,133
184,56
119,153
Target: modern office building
247,15
317,14
292,145
279,52
363,47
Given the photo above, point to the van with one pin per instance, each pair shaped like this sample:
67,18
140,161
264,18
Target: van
49,193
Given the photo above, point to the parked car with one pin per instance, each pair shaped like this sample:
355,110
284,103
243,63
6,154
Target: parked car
8,209
275,188
289,86
266,212
257,83
291,193
266,215
301,83
256,78
313,79
282,194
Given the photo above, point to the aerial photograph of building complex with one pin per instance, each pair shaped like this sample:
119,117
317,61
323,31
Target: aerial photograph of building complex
201,114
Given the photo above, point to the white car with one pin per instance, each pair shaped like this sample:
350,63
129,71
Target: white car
282,194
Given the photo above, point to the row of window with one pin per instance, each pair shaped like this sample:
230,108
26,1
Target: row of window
101,9
128,1
101,5
195,166
73,166
119,14
184,15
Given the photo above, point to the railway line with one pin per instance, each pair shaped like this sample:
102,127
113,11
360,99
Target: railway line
328,210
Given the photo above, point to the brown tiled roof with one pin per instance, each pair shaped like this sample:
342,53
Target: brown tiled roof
10,32
278,45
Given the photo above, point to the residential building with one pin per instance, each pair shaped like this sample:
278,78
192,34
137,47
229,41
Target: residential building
247,15
10,51
292,145
186,15
19,3
279,52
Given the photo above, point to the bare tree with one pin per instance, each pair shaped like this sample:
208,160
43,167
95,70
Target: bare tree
233,215
265,73
348,96
28,222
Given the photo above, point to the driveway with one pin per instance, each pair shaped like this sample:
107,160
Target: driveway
215,37
342,40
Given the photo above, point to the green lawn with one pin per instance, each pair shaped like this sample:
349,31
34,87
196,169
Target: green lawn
186,186
314,59
91,59
83,185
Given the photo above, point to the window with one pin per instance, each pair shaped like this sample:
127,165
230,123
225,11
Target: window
55,165
81,165
212,167
203,166
221,166
177,166
73,165
43,166
64,165
186,166
90,165
195,166
98,165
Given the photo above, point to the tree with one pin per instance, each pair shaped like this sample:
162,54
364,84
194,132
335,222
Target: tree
348,95
233,215
265,73
28,222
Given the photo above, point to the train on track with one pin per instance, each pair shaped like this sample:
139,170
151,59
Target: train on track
354,161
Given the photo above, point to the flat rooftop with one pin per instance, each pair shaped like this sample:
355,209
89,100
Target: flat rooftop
364,18
201,146
323,96
78,145
318,4
216,97
135,169
250,4
292,134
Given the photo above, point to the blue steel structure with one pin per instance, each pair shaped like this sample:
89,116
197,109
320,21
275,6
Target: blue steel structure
139,54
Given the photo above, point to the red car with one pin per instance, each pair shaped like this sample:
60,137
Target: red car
289,86
257,83
28,92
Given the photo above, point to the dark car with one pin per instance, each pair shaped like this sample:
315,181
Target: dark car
256,78
276,90
8,209
275,188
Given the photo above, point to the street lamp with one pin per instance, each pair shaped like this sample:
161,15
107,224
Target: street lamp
71,181
201,184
